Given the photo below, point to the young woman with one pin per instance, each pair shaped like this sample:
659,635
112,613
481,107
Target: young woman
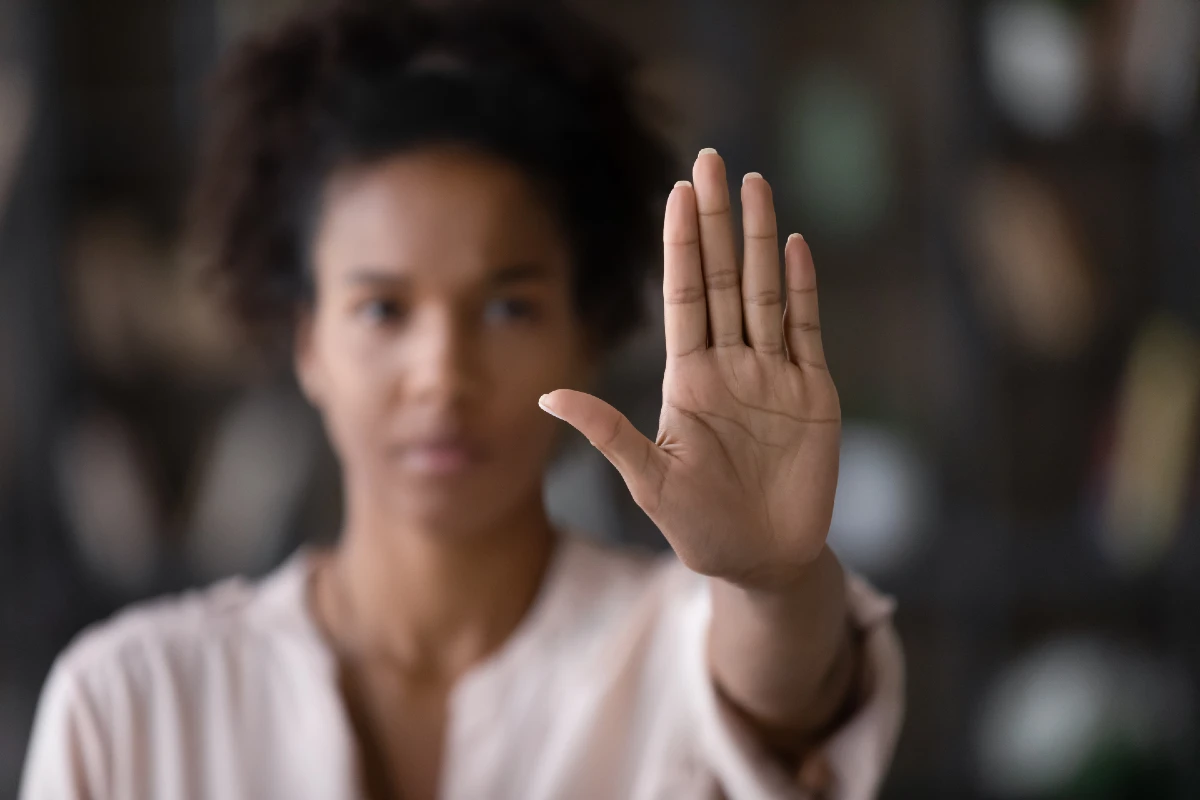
451,212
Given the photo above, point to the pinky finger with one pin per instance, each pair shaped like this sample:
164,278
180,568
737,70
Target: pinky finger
802,323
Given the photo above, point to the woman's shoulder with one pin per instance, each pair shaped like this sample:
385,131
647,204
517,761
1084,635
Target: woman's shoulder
597,567
230,679
235,615
599,588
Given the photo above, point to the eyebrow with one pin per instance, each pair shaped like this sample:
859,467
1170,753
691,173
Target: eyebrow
518,273
375,277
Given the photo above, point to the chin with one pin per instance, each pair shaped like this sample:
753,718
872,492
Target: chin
463,519
462,505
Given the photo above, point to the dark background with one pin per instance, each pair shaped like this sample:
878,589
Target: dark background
1004,203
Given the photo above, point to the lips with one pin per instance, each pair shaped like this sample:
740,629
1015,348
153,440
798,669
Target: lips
439,457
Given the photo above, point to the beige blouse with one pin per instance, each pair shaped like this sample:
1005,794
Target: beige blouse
602,692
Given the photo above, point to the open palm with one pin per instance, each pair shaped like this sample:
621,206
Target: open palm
741,477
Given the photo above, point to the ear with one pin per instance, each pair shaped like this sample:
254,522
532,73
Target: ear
305,359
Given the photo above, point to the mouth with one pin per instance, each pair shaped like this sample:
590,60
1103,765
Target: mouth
439,457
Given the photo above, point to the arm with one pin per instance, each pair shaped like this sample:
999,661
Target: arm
787,658
846,756
742,475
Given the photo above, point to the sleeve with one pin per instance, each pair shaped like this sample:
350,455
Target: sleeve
66,756
858,754
861,751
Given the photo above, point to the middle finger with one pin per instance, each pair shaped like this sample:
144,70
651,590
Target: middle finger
722,283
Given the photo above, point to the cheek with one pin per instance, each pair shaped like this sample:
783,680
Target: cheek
358,382
357,373
521,369
523,364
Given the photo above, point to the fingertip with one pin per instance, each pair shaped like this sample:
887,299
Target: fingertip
757,193
680,193
801,271
680,211
710,183
708,163
544,402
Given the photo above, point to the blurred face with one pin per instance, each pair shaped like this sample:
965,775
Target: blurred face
443,311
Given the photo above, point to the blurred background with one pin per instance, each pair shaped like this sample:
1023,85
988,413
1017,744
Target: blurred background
1004,202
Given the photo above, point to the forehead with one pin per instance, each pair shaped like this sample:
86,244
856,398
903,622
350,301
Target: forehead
447,214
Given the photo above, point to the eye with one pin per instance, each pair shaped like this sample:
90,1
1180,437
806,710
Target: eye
380,311
509,309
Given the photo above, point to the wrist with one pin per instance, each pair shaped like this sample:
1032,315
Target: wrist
786,654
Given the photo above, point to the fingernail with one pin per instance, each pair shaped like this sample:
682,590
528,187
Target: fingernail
796,236
544,407
708,151
681,184
750,175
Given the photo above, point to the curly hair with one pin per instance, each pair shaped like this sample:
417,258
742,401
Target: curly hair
352,83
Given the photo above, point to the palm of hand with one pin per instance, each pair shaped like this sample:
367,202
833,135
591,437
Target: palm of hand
741,477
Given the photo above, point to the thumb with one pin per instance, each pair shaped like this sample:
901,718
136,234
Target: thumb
610,432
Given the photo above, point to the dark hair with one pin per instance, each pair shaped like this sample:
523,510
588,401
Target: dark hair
352,83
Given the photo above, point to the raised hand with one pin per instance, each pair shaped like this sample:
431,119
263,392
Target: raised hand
741,477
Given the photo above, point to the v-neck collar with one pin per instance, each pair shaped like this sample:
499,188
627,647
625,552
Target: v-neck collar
477,700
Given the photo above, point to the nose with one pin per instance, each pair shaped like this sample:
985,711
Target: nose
443,369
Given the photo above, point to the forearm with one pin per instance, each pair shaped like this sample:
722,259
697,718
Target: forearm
785,658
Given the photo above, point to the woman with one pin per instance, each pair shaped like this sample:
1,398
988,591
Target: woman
450,211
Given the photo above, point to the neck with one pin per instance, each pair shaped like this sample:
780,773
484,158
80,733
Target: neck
433,603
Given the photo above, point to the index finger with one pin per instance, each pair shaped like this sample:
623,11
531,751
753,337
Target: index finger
685,311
